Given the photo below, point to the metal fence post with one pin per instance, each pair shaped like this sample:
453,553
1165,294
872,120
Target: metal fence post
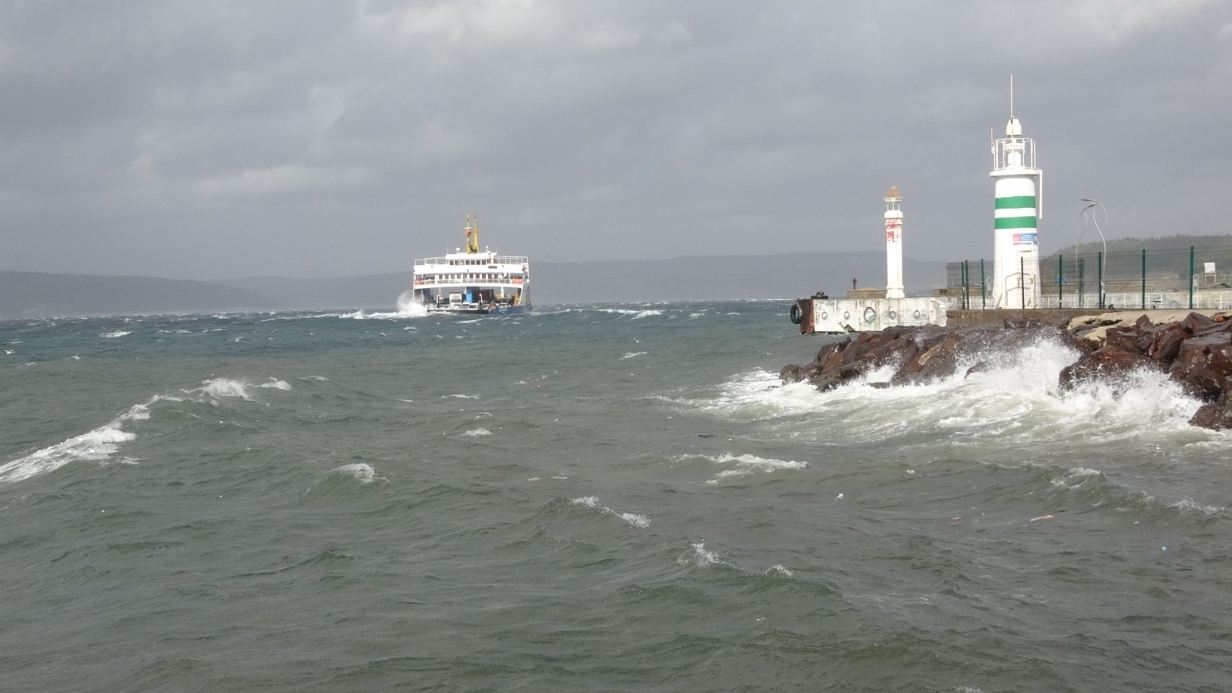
966,284
1022,283
1144,279
983,285
1060,278
1191,276
1099,266
1082,263
961,281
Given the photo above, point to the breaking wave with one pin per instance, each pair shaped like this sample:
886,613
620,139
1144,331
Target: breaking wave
639,521
361,472
97,445
407,308
1016,398
634,314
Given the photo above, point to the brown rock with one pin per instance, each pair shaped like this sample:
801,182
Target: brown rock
859,347
1204,384
824,382
1195,321
1123,336
1166,345
1212,415
1110,361
1213,328
1195,353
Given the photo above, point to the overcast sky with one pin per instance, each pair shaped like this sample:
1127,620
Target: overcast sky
326,138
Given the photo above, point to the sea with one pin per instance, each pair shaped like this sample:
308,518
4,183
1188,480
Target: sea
618,497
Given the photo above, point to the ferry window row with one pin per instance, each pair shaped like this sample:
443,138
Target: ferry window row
473,277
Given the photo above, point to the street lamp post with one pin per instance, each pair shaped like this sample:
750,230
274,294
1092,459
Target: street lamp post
1083,228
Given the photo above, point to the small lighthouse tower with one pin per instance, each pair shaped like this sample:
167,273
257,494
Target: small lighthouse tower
894,243
1015,280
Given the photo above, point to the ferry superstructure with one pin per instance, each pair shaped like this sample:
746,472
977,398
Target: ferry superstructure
471,281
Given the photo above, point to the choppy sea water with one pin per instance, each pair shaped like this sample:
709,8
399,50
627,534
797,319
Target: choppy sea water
589,498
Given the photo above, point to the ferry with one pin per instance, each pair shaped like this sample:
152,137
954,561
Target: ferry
472,281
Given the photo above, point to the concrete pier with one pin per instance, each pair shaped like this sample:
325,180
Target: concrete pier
837,315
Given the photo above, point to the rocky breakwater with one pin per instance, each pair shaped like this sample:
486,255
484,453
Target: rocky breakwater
1192,349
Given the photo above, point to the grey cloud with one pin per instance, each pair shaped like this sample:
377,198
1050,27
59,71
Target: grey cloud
204,140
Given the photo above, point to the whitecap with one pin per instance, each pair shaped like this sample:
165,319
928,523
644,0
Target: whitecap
275,384
639,521
478,432
224,388
114,335
632,354
635,314
779,570
747,464
361,472
1074,478
699,556
94,446
1190,504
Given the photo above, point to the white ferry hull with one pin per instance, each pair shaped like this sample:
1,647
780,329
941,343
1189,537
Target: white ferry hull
479,310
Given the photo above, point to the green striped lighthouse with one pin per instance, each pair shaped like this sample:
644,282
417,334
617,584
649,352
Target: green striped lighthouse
1018,190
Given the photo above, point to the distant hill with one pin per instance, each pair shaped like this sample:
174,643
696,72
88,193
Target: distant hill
723,277
698,278
370,291
680,279
36,294
1178,243
1166,256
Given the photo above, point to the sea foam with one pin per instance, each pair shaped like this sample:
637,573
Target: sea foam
1016,399
634,314
222,388
407,308
639,521
97,445
364,473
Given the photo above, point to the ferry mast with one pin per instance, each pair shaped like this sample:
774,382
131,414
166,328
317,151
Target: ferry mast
894,243
1016,273
472,233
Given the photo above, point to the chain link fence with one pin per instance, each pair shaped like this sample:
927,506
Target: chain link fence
1192,277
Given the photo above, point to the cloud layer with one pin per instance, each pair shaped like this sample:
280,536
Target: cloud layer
317,138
